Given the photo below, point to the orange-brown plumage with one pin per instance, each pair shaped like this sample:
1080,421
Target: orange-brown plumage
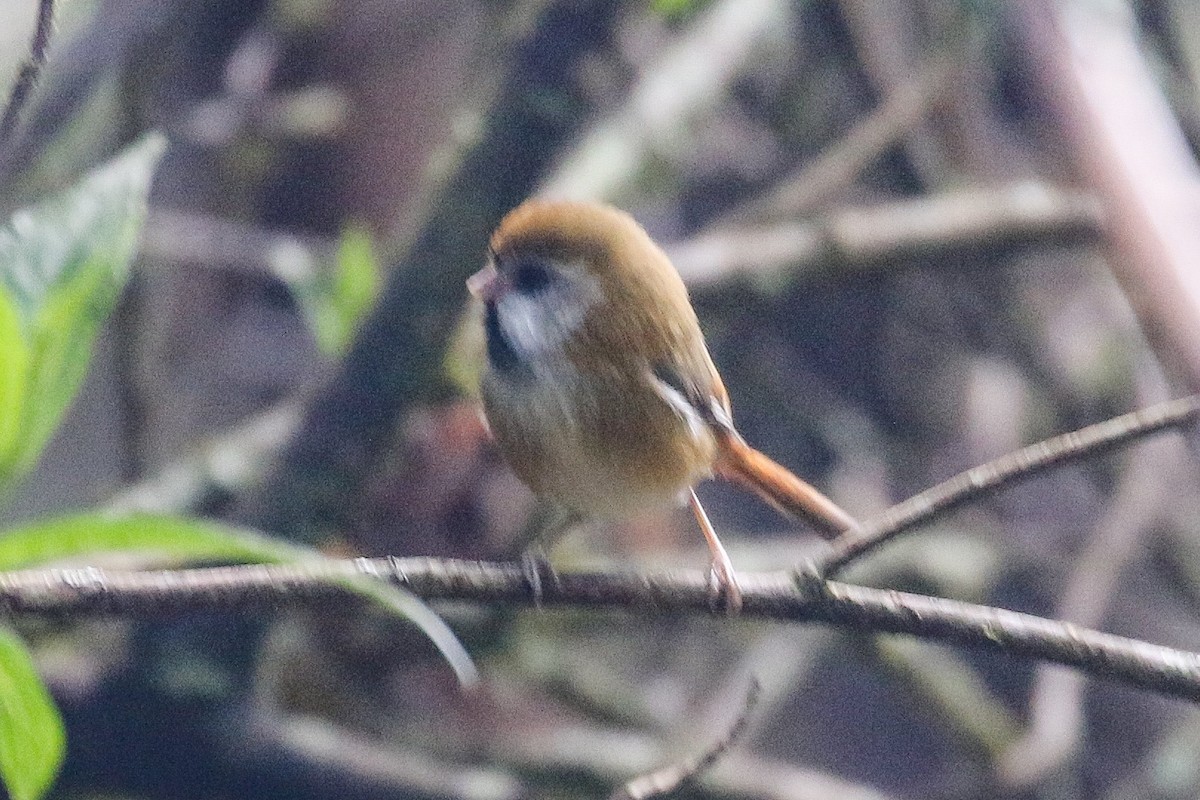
640,319
600,390
643,314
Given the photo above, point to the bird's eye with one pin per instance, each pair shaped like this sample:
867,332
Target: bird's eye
530,276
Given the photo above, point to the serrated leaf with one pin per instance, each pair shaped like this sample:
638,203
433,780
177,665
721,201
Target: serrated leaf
166,540
63,263
32,739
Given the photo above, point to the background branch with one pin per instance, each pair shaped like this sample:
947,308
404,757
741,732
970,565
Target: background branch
840,164
666,780
861,239
28,75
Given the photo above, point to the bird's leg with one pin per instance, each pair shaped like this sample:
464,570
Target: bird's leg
533,564
545,525
724,582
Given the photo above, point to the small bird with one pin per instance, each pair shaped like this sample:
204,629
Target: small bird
599,389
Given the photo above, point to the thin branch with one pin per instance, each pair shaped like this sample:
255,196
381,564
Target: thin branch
838,165
1005,471
871,237
765,778
680,86
188,238
781,595
310,748
30,70
668,779
227,463
607,755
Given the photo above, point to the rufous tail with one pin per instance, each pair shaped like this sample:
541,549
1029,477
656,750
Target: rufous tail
741,464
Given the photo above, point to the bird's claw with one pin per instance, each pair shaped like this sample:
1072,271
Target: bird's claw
724,594
535,567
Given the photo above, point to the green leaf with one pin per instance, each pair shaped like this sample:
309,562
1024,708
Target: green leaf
14,371
63,263
167,540
335,300
32,739
159,539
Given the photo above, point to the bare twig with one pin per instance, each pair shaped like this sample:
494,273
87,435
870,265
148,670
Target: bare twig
189,238
995,475
606,754
668,779
30,70
759,778
963,135
841,163
863,238
685,82
226,463
345,757
767,595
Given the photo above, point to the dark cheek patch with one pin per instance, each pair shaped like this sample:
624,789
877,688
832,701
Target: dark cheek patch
500,351
529,324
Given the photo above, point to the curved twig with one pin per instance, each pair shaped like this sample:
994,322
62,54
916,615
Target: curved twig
662,782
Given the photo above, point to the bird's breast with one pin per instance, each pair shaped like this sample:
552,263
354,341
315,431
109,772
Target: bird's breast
600,441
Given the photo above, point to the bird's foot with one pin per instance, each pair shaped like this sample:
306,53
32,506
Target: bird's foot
537,571
724,594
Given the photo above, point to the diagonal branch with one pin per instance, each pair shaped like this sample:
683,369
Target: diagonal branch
767,595
838,165
1005,471
663,782
30,69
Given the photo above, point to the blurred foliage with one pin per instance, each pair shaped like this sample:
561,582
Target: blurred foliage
32,739
336,299
64,263
62,266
